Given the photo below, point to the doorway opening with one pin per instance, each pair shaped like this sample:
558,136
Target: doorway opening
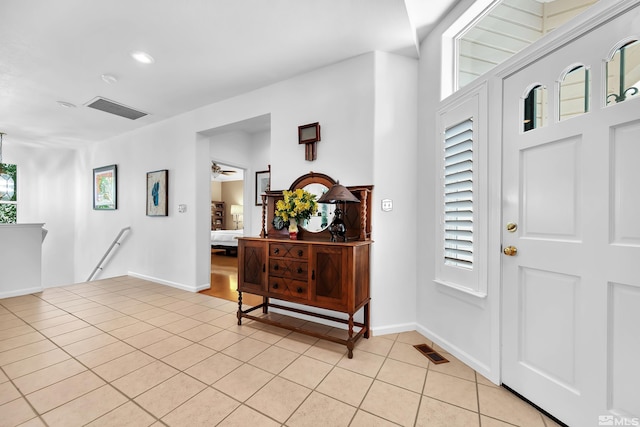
227,224
236,151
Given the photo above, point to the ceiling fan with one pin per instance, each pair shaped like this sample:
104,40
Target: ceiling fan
216,170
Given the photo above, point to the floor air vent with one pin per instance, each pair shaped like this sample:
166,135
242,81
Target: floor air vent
112,107
430,354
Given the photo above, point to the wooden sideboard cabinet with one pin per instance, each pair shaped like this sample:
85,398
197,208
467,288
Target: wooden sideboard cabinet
332,276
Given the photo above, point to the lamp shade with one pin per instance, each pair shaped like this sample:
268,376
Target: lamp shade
338,193
236,209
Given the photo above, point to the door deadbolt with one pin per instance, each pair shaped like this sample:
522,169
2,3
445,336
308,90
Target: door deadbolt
512,227
510,251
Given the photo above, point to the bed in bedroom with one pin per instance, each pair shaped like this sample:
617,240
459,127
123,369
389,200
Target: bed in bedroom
226,239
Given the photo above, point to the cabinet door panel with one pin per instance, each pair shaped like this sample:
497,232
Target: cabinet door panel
251,267
331,287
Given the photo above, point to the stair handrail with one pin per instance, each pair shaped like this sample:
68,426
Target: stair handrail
106,254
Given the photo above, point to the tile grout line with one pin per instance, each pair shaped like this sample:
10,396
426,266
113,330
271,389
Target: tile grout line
359,407
244,337
84,394
197,379
132,399
315,388
268,382
144,291
81,363
221,351
478,398
23,397
422,396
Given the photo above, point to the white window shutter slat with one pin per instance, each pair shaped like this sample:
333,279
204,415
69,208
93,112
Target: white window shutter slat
458,195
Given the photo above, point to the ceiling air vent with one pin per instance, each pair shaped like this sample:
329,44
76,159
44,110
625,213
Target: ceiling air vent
112,107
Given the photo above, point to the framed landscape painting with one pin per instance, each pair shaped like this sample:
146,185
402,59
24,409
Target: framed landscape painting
157,193
105,188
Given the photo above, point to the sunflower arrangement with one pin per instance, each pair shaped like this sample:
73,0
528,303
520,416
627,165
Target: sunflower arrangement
297,204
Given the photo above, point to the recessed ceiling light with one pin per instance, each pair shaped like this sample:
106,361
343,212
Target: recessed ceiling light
66,104
142,57
109,78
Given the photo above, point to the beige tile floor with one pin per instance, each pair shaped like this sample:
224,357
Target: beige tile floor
128,352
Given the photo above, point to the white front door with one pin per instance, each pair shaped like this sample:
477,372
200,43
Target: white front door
571,292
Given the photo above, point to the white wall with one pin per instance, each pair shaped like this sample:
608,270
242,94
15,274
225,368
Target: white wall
465,325
21,260
342,97
461,323
157,247
395,177
46,194
339,96
367,109
260,161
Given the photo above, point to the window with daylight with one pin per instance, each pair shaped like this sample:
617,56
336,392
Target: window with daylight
623,73
574,93
492,31
462,196
8,194
535,114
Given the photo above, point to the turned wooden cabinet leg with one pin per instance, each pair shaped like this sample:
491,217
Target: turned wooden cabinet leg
265,305
239,313
366,320
350,340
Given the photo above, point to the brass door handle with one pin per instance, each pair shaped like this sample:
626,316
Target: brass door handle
510,251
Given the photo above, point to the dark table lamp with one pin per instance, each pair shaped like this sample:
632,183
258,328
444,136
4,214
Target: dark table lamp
336,195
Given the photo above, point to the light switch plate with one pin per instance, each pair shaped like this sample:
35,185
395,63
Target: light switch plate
182,208
387,205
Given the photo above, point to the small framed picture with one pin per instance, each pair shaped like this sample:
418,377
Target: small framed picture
263,184
105,188
157,193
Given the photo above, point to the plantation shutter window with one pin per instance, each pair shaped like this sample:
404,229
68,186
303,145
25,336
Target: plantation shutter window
462,195
458,195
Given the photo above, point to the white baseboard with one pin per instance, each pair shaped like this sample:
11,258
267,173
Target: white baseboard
169,283
463,356
393,329
375,331
20,292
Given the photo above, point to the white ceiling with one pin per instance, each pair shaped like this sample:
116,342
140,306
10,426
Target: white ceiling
204,50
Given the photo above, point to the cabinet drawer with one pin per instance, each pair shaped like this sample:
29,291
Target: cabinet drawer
288,250
291,269
289,287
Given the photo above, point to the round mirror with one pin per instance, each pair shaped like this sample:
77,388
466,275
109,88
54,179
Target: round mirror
321,220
